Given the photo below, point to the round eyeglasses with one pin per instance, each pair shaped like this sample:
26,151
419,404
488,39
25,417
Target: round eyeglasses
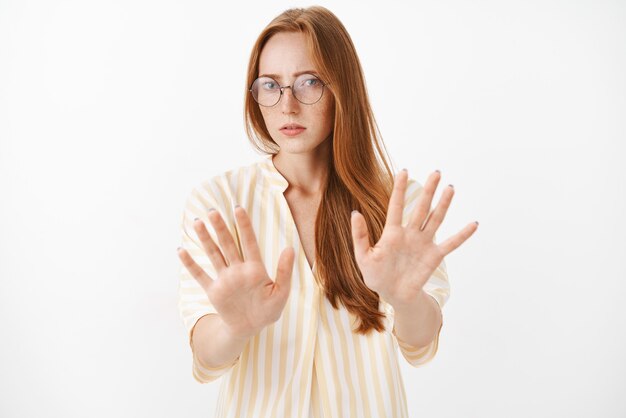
307,89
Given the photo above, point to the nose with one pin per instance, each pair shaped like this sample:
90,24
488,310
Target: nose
288,104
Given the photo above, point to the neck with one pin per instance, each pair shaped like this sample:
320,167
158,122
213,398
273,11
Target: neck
306,173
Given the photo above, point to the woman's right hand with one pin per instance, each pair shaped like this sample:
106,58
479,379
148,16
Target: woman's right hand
245,297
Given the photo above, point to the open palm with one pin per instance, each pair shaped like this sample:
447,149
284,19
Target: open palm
244,295
404,258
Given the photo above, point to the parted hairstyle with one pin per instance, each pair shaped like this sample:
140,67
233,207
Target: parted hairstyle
359,174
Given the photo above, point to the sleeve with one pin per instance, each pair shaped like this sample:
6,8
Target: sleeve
193,302
437,286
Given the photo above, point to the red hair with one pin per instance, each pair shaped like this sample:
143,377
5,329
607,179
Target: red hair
359,175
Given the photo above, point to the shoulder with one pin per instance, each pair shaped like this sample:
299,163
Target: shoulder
233,178
222,190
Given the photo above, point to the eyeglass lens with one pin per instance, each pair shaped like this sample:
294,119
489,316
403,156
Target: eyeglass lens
306,89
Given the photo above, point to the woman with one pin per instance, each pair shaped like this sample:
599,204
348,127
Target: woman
321,339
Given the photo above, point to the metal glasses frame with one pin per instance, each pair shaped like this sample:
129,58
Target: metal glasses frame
282,90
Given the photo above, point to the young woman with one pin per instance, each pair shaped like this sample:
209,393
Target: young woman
358,273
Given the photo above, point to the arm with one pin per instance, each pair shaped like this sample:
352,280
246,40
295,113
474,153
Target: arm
418,324
200,317
406,267
213,345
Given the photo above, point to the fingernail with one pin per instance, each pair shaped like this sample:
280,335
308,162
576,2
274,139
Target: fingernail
177,248
404,169
353,212
476,222
438,171
451,186
195,219
237,206
212,209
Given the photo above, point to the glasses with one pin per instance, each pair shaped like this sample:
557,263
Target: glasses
307,89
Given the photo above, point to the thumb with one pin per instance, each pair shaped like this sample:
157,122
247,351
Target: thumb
360,237
282,284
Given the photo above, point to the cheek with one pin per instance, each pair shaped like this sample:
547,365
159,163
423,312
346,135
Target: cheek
267,118
327,115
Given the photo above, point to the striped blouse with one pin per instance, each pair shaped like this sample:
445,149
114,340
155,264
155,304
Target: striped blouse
309,363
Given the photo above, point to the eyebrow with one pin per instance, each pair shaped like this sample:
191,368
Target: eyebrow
276,76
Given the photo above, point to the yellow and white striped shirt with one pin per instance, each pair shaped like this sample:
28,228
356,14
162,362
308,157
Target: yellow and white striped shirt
309,363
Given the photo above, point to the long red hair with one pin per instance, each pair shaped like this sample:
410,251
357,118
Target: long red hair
359,174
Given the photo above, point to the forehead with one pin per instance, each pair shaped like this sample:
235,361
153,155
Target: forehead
285,54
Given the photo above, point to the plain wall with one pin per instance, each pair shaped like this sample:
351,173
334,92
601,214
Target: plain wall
112,111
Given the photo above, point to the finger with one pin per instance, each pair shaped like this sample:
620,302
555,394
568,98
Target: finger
436,217
225,238
249,242
194,269
459,238
418,217
396,201
211,249
360,236
282,284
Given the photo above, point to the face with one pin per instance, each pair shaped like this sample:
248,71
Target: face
284,55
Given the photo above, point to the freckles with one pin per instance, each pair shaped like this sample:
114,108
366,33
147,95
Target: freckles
267,117
325,111
323,108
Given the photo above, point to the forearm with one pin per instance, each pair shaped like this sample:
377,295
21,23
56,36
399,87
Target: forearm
212,343
418,323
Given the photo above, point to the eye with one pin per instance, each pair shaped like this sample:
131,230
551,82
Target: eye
311,82
268,85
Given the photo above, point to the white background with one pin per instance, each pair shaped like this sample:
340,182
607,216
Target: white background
112,111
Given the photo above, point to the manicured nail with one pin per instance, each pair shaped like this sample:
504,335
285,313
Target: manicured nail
353,212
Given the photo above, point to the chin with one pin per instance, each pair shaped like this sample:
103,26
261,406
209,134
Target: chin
295,148
298,144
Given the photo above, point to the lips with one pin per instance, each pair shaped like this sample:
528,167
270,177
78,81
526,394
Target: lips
291,126
292,129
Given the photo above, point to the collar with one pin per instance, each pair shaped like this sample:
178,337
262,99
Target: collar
276,179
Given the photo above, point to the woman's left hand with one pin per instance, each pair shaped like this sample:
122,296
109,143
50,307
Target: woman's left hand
404,258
